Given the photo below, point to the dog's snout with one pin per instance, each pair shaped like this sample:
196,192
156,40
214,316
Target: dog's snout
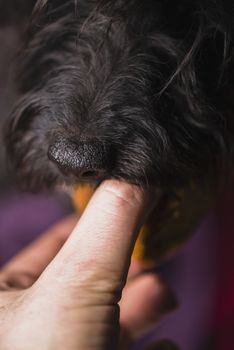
85,160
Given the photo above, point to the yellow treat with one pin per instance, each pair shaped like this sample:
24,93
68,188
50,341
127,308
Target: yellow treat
83,193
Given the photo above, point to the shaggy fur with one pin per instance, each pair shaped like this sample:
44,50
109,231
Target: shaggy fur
136,90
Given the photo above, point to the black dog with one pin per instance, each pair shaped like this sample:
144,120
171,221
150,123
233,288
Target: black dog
136,90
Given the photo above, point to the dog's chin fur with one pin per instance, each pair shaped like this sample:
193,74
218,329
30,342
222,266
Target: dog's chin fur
146,77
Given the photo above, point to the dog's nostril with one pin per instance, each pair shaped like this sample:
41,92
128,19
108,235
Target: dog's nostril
85,160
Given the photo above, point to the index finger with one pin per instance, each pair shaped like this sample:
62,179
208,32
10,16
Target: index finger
27,266
101,245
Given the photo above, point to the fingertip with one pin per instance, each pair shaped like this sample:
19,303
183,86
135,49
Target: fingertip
145,301
168,300
124,192
119,200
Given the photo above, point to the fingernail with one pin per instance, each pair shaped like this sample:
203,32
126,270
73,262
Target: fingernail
19,280
169,303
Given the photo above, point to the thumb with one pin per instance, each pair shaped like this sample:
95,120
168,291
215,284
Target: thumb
98,251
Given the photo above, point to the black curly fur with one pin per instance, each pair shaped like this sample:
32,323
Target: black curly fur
150,78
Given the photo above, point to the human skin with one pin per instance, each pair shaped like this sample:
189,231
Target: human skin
57,295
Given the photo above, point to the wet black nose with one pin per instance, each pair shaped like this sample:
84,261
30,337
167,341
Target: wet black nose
83,159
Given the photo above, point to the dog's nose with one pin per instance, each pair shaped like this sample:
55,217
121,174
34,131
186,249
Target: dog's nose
85,160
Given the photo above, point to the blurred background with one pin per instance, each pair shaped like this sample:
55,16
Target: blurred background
202,275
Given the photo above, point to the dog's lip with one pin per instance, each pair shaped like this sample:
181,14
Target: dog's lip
88,181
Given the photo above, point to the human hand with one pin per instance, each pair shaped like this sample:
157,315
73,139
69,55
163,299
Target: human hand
71,301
